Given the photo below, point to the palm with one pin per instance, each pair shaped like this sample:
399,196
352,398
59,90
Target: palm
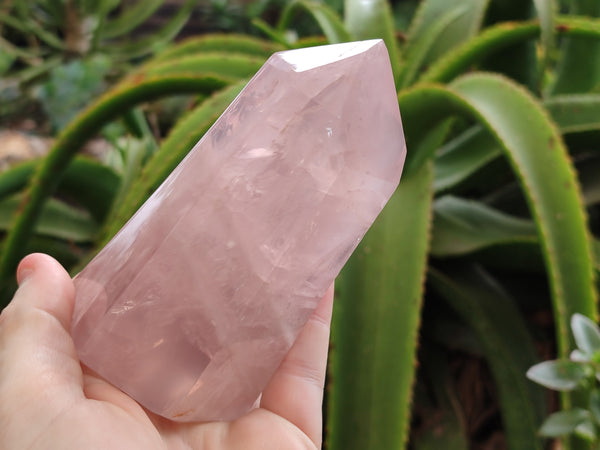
113,420
113,410
47,401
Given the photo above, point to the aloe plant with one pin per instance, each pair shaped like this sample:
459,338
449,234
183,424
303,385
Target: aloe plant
495,214
72,48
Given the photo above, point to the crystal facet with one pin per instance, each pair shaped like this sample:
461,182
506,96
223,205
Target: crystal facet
194,303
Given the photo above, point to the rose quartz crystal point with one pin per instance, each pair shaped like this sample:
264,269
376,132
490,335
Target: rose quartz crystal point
194,303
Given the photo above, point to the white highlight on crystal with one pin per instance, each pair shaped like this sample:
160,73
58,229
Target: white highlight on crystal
308,58
258,153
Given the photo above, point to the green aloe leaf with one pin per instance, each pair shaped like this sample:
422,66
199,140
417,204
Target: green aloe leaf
520,125
425,112
28,25
272,33
16,177
219,43
92,185
55,9
575,113
57,219
158,39
104,7
221,64
425,145
131,17
28,74
135,123
546,12
559,374
463,157
463,226
573,76
500,240
564,422
415,52
373,19
135,152
11,52
327,18
456,33
586,333
489,41
310,41
519,61
502,36
375,327
89,183
508,347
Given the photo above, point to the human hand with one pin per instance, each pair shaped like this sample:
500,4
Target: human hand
48,400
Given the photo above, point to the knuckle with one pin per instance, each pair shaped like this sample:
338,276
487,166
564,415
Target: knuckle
305,371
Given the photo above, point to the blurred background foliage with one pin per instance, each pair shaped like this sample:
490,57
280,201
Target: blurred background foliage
471,274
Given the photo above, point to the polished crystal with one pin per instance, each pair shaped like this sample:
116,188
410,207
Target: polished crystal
194,303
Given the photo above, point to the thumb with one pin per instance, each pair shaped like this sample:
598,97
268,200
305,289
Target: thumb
40,375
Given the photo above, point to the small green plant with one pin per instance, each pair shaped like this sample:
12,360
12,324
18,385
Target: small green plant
580,372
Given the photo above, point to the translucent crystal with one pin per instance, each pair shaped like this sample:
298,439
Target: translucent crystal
192,306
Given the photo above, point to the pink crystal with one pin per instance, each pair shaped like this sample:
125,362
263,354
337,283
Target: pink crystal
192,306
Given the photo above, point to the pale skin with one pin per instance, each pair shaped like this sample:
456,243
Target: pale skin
48,400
